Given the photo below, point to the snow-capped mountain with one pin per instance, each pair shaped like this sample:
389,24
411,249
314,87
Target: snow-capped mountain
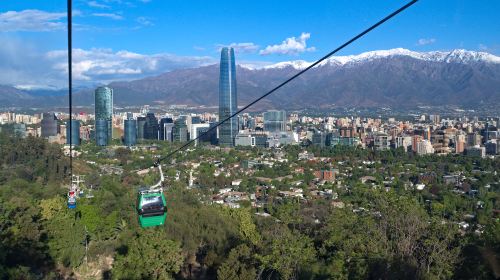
454,56
396,77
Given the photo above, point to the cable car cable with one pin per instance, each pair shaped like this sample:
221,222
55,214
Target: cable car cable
366,31
70,87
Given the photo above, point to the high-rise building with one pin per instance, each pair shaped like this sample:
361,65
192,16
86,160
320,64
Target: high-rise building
141,123
414,142
151,127
48,125
73,133
274,121
198,129
460,144
424,147
130,132
166,130
104,111
179,131
101,132
227,98
164,121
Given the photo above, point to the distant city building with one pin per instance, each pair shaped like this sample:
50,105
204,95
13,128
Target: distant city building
101,132
197,129
415,140
130,132
180,131
319,139
252,139
48,125
346,132
475,151
274,121
473,139
404,142
436,119
424,147
227,98
104,112
73,133
164,121
381,142
151,127
491,147
141,124
460,144
167,132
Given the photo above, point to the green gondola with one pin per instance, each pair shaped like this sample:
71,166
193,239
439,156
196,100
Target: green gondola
152,208
151,204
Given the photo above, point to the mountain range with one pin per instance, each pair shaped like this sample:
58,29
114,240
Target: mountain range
392,78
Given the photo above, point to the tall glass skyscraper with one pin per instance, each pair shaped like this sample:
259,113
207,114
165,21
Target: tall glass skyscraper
151,127
74,133
48,125
275,121
227,97
104,111
130,132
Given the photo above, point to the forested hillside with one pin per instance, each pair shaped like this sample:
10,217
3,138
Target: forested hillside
405,238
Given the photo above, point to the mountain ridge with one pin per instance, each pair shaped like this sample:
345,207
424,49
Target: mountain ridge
396,77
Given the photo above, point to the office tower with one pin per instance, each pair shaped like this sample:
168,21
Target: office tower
104,112
167,131
198,129
74,134
141,123
227,98
179,131
101,132
130,132
151,127
473,139
319,138
164,121
491,147
48,125
274,121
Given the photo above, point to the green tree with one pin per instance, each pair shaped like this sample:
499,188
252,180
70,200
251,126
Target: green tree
239,265
149,255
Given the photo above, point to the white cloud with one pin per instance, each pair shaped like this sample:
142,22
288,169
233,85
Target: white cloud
425,41
22,64
31,20
96,4
290,46
108,15
145,1
144,21
241,47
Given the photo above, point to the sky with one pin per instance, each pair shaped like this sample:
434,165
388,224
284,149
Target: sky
130,39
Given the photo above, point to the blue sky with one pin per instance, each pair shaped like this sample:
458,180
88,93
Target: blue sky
127,39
